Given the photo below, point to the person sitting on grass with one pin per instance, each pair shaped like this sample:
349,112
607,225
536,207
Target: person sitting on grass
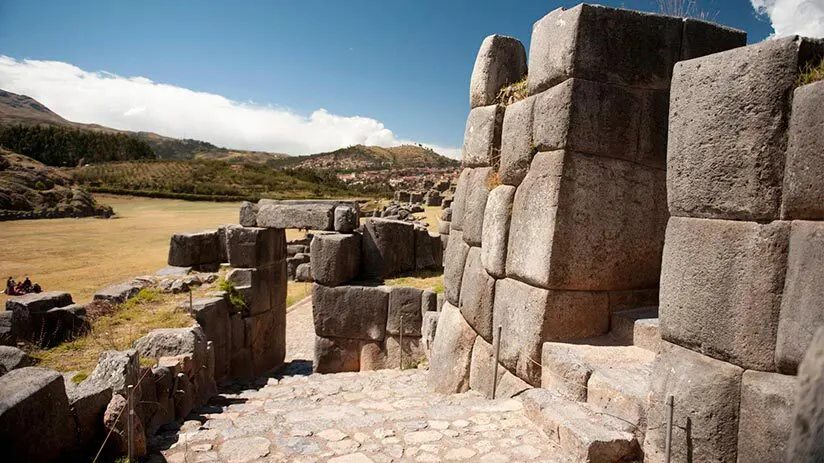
26,286
9,287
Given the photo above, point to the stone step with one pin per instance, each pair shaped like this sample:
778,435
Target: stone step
581,430
612,378
637,327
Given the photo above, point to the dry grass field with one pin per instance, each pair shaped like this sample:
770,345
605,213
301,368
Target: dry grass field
83,255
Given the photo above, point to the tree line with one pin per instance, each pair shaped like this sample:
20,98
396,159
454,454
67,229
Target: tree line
66,147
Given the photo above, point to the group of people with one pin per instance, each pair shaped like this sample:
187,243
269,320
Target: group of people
20,288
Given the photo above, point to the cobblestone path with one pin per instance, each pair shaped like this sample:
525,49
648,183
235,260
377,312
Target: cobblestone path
379,416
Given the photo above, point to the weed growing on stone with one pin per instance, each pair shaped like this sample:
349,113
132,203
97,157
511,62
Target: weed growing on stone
235,298
811,72
512,93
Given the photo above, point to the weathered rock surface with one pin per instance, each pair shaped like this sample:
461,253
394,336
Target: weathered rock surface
803,194
255,247
482,136
388,248
346,219
727,137
721,288
88,402
194,249
501,61
477,295
703,38
453,266
12,358
404,302
296,214
766,416
481,371
459,201
707,394
807,437
116,369
517,148
477,192
496,230
115,420
248,214
451,353
351,312
336,355
335,257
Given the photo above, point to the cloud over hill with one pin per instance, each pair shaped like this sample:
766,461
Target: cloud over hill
791,17
139,104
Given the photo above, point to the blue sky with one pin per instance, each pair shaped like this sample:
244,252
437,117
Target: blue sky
403,67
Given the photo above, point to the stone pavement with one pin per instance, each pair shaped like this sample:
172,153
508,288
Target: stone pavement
379,416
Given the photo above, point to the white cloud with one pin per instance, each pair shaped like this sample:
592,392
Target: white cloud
139,104
793,17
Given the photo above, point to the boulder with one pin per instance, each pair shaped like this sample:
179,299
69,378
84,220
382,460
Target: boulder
404,302
255,247
803,194
194,249
119,293
240,276
482,369
451,353
12,358
727,136
171,342
308,215
346,219
453,266
501,61
802,299
602,120
496,230
580,42
388,248
116,369
352,312
721,288
303,273
587,223
477,295
429,327
336,355
34,415
517,148
248,214
765,416
292,264
530,316
807,436
170,271
482,137
36,303
705,420
88,402
116,422
62,323
335,257
479,182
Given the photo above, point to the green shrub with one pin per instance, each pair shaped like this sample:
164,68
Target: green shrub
811,72
235,298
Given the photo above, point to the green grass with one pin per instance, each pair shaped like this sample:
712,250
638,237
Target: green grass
811,72
235,298
424,279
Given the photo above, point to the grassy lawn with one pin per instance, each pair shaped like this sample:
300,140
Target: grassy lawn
83,255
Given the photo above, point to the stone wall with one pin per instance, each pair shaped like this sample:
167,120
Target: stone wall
740,286
559,215
361,324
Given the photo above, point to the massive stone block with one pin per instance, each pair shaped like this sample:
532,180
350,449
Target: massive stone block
459,201
453,266
477,295
387,354
248,214
353,312
721,288
451,353
388,248
267,290
428,250
173,342
478,184
604,120
727,137
517,149
482,136
530,316
807,436
587,223
347,218
705,419
404,302
336,355
580,42
311,215
496,230
803,196
766,416
255,247
701,38
501,61
39,302
87,402
802,301
194,249
481,371
213,315
34,415
335,258
268,341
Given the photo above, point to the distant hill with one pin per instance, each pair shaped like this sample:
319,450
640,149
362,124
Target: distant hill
30,189
23,110
361,157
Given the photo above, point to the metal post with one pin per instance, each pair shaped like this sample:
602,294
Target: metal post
668,449
495,365
400,354
130,421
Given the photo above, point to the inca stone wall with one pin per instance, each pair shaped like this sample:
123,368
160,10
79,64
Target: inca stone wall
559,216
740,286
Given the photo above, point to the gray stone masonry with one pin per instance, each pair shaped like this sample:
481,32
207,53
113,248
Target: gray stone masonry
501,61
803,195
194,249
350,312
335,258
807,436
482,136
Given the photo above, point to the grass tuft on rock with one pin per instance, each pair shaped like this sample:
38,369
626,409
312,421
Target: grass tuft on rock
512,93
811,72
235,298
422,279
